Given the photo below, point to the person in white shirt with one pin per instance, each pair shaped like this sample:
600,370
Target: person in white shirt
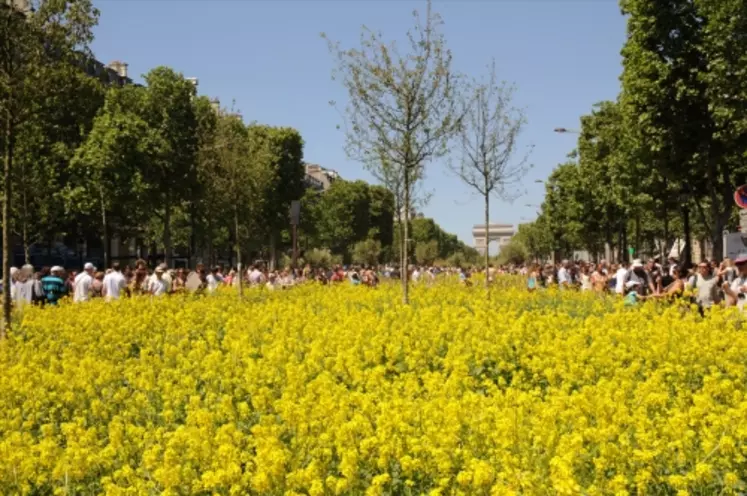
82,284
564,276
114,283
272,283
620,279
27,288
165,276
255,276
736,291
157,284
213,279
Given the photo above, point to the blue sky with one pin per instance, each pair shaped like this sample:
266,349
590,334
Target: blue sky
268,58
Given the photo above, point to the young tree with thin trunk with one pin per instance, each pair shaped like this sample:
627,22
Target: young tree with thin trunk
488,142
402,109
243,161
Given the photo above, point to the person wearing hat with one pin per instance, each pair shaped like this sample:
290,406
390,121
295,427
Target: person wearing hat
736,291
637,273
53,285
27,289
157,284
165,276
82,284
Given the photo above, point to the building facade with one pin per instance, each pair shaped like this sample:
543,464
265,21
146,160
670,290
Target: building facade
319,178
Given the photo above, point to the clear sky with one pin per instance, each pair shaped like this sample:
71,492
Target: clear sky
268,58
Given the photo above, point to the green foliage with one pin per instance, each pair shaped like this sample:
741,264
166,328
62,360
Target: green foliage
682,98
286,145
367,252
513,253
344,216
108,168
320,257
426,253
381,215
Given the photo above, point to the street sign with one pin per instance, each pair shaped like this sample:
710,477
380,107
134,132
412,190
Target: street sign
740,196
631,250
295,212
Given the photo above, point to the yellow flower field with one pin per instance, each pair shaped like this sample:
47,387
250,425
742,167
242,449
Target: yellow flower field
325,391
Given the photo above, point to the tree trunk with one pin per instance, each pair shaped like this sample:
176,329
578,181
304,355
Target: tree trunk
665,253
487,244
105,227
167,233
687,260
238,251
210,248
272,250
637,235
192,235
7,248
405,235
25,227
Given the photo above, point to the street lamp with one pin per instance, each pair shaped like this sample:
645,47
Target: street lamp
563,130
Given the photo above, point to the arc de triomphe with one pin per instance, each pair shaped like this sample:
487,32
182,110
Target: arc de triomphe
500,232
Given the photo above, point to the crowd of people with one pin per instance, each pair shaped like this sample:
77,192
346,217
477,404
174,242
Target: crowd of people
710,283
52,284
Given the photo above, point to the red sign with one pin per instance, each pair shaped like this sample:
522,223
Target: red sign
740,196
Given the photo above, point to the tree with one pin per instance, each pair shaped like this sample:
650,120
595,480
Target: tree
243,167
535,239
381,215
488,140
321,258
288,181
426,253
344,216
208,202
681,99
562,208
170,115
34,43
110,167
513,253
64,112
402,107
367,252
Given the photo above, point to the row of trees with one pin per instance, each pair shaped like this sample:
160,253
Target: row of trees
672,144
356,222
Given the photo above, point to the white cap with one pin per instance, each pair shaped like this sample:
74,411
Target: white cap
56,268
89,266
637,264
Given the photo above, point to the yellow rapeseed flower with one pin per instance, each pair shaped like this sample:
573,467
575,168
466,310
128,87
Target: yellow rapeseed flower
340,390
